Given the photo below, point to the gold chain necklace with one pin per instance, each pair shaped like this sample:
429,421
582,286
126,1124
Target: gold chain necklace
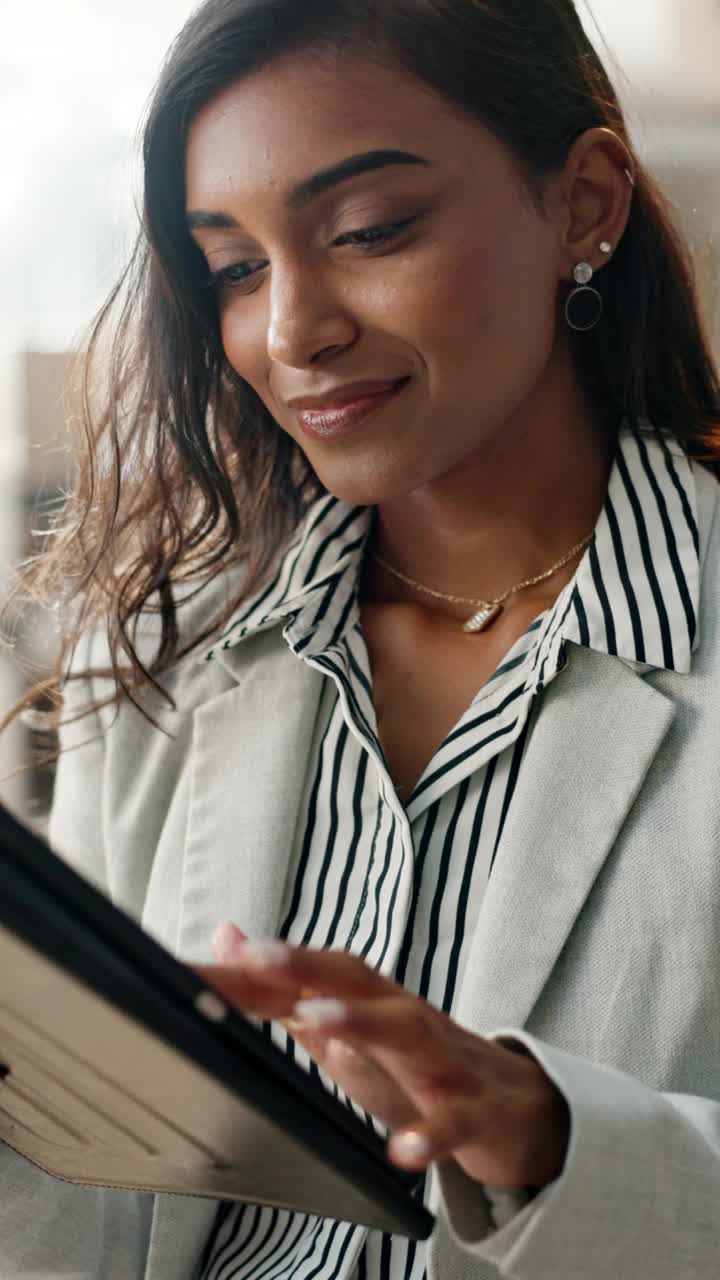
489,609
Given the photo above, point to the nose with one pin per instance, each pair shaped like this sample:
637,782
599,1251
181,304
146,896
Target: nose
309,319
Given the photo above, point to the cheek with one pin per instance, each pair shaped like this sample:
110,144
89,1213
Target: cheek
458,297
243,340
491,307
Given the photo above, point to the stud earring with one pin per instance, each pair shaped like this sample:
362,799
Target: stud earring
584,305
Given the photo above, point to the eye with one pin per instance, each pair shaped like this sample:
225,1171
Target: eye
237,274
379,234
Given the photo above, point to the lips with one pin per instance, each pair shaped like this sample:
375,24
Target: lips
337,414
341,396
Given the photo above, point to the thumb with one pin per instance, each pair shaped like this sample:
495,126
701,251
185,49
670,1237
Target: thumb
225,942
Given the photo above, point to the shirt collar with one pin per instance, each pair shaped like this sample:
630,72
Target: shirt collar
323,558
636,592
634,596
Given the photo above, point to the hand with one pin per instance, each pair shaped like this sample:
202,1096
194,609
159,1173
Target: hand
448,1093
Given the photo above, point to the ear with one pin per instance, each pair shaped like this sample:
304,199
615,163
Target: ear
596,188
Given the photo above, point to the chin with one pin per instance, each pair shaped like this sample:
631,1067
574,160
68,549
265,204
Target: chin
367,486
373,476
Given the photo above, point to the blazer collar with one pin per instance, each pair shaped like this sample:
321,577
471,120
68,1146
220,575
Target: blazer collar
580,777
250,749
249,754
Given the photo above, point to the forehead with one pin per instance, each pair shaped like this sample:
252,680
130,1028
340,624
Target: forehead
305,111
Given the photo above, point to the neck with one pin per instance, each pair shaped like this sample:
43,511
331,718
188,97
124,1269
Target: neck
507,514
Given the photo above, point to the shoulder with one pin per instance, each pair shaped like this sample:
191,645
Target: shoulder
117,759
189,676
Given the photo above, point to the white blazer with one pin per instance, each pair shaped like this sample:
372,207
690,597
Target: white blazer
599,936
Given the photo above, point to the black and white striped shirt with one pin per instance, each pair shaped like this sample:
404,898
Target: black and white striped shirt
402,884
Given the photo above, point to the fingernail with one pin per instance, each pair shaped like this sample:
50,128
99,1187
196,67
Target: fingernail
411,1145
318,1013
226,940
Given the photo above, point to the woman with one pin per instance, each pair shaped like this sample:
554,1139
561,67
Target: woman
405,484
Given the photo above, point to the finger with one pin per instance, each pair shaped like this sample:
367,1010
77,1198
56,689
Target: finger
425,1055
416,1044
325,970
225,941
432,1137
364,1081
250,994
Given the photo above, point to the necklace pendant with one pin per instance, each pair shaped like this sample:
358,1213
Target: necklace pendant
482,619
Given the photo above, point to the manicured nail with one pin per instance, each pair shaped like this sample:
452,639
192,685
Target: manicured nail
226,940
262,955
411,1146
319,1013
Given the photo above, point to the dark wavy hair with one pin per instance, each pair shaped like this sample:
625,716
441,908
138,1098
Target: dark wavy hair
183,473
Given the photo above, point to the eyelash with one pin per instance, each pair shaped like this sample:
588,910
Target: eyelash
365,238
387,231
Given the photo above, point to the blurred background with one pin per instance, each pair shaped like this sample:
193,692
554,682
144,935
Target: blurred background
72,93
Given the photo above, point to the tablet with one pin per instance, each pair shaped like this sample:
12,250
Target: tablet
119,1067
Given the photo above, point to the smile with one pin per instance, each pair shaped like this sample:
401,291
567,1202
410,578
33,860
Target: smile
339,417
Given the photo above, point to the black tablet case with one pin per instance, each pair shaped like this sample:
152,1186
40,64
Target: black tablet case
118,1068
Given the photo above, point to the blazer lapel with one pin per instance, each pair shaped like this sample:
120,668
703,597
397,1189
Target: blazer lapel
587,756
249,753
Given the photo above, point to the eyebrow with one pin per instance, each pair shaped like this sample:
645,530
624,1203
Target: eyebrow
315,186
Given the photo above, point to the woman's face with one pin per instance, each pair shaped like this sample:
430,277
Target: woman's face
373,246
